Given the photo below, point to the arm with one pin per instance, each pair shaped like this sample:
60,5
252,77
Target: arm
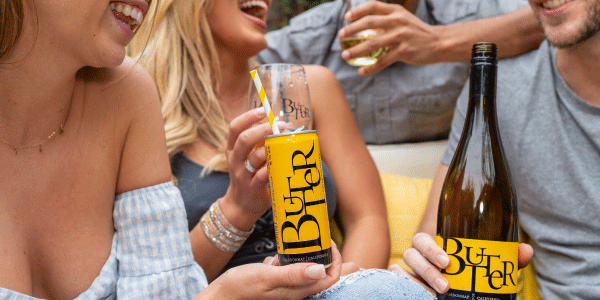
361,202
270,281
144,159
429,221
247,196
501,30
415,42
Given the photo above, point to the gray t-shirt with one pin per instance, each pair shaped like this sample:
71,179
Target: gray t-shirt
403,103
551,139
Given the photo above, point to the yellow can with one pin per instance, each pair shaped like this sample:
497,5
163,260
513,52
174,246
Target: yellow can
298,198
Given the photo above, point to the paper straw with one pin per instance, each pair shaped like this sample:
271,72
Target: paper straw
265,102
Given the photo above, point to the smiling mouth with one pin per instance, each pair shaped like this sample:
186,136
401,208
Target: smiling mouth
554,4
256,8
128,14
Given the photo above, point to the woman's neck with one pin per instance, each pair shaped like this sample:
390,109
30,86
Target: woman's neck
36,92
234,84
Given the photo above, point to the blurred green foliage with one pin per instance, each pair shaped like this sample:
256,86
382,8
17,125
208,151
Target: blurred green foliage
287,9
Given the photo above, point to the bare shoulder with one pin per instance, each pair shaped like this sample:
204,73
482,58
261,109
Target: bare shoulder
129,87
319,75
323,84
126,97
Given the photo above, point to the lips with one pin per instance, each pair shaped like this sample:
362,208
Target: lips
554,4
129,13
255,8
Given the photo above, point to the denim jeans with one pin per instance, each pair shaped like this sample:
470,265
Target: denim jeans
374,284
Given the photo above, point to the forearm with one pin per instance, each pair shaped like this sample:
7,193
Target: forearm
513,33
367,243
208,256
429,220
211,250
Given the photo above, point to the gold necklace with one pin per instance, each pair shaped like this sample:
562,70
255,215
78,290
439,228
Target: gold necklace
60,130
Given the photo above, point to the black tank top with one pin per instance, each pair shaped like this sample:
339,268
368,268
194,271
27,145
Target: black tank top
200,192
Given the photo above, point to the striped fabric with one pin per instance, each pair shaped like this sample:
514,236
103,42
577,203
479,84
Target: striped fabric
151,256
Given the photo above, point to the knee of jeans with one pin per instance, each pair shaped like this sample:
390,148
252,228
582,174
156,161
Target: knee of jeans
374,284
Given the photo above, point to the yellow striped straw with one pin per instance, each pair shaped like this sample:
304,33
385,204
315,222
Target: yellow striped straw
265,102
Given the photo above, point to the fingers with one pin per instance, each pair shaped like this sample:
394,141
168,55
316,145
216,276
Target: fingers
297,280
256,158
271,260
422,257
335,270
306,273
243,122
371,8
377,23
382,63
525,255
425,244
243,146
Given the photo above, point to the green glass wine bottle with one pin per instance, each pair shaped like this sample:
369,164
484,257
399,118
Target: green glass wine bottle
477,218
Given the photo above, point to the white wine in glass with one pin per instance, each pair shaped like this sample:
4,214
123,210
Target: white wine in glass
371,57
365,60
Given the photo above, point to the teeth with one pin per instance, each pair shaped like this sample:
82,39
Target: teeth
130,11
253,3
554,4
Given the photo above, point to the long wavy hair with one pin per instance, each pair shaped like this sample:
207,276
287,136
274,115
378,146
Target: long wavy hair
182,58
11,24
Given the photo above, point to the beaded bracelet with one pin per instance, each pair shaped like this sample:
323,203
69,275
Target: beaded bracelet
221,232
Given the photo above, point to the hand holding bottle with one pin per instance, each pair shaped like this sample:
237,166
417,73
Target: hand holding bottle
426,259
271,281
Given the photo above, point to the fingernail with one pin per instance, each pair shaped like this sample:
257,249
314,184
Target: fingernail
280,124
272,261
342,33
347,16
442,261
346,55
440,285
260,110
315,272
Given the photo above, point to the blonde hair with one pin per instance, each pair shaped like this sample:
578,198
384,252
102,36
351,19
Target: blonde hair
11,24
182,58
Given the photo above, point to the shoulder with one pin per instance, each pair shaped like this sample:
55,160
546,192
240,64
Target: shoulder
128,91
135,85
526,71
125,101
322,84
319,75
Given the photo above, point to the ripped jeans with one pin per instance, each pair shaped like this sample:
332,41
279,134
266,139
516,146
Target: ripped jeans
374,284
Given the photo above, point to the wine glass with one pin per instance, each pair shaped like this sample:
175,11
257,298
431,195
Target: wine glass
286,90
371,57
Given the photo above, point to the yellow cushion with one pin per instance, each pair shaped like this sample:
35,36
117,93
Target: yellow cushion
405,199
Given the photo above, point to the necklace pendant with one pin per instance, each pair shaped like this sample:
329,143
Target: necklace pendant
40,148
16,150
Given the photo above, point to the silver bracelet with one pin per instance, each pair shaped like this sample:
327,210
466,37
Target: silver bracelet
221,232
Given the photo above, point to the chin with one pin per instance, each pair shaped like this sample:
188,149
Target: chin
251,48
568,37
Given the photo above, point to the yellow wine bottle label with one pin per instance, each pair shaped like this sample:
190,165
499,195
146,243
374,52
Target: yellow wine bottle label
479,269
298,198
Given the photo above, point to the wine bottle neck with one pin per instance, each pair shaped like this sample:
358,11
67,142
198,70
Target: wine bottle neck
482,93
